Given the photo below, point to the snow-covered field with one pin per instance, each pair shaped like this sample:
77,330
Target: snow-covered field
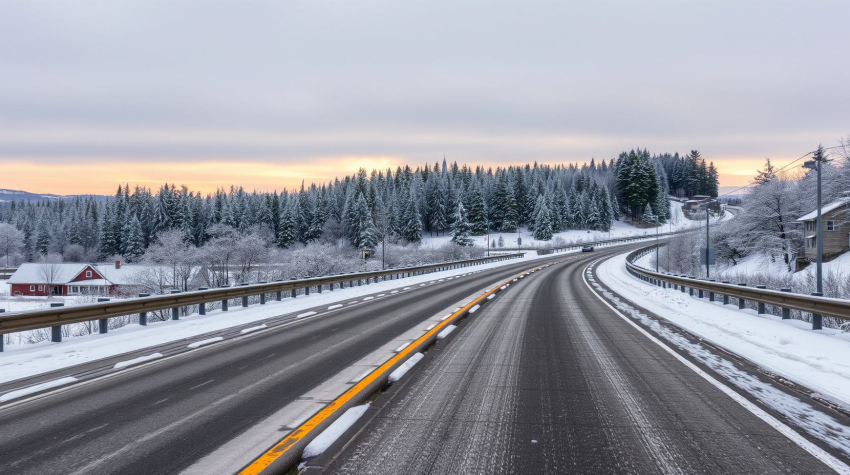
677,222
19,361
819,360
761,264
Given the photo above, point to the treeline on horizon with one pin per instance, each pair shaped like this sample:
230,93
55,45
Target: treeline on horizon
364,208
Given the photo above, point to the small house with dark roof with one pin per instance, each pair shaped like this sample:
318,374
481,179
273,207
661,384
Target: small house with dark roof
834,230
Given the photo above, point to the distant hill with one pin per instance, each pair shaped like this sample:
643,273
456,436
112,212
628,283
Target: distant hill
19,195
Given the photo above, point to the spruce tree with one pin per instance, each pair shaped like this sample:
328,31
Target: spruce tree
42,237
461,228
542,222
367,237
133,241
411,223
287,234
477,212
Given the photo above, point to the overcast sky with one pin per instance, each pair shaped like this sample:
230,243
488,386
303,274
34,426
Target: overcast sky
267,93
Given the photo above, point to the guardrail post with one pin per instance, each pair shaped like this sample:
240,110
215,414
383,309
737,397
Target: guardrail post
742,303
699,293
202,307
102,326
319,288
263,295
725,296
710,293
143,316
56,331
294,291
307,290
224,301
761,304
786,312
175,311
817,320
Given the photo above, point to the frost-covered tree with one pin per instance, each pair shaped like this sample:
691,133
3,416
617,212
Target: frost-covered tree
11,241
133,243
542,221
461,229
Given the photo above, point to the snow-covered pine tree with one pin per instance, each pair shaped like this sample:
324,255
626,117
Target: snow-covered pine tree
134,241
477,212
411,222
461,229
287,233
648,215
367,237
42,237
542,222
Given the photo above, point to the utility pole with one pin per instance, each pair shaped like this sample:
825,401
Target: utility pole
707,248
816,164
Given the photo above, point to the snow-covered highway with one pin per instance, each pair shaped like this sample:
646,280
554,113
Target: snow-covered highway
171,413
548,378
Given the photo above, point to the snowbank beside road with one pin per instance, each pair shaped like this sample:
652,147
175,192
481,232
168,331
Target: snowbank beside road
818,360
19,361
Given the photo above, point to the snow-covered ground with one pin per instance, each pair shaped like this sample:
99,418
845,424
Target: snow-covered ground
762,264
819,360
19,361
677,222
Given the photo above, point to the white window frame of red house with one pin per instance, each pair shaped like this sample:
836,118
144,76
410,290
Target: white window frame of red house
40,288
32,288
88,274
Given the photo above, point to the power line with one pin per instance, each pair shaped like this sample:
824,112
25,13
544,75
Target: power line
783,168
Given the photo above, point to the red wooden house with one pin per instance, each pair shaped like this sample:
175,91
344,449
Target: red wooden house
44,279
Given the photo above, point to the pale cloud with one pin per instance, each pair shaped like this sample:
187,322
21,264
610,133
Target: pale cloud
115,86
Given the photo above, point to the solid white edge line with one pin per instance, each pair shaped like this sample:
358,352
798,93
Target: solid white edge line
780,426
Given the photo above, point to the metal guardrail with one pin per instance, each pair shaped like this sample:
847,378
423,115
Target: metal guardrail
815,304
7,272
57,316
622,240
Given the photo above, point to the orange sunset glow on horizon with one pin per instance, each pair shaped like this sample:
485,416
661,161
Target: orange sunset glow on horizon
102,177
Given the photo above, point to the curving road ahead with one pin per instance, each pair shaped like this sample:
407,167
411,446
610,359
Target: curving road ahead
548,379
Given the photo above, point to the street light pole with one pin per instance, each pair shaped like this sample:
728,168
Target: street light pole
488,238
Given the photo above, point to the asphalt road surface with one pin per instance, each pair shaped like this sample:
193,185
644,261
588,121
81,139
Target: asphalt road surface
547,379
161,418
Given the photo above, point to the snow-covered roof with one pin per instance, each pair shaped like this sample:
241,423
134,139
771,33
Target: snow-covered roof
63,273
125,275
825,209
34,273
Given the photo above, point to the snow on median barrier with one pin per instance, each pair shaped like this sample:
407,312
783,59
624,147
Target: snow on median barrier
135,361
305,314
334,431
334,307
474,309
446,331
405,367
18,393
201,343
253,329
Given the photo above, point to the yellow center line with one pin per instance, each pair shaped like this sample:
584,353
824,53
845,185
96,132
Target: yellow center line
279,449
